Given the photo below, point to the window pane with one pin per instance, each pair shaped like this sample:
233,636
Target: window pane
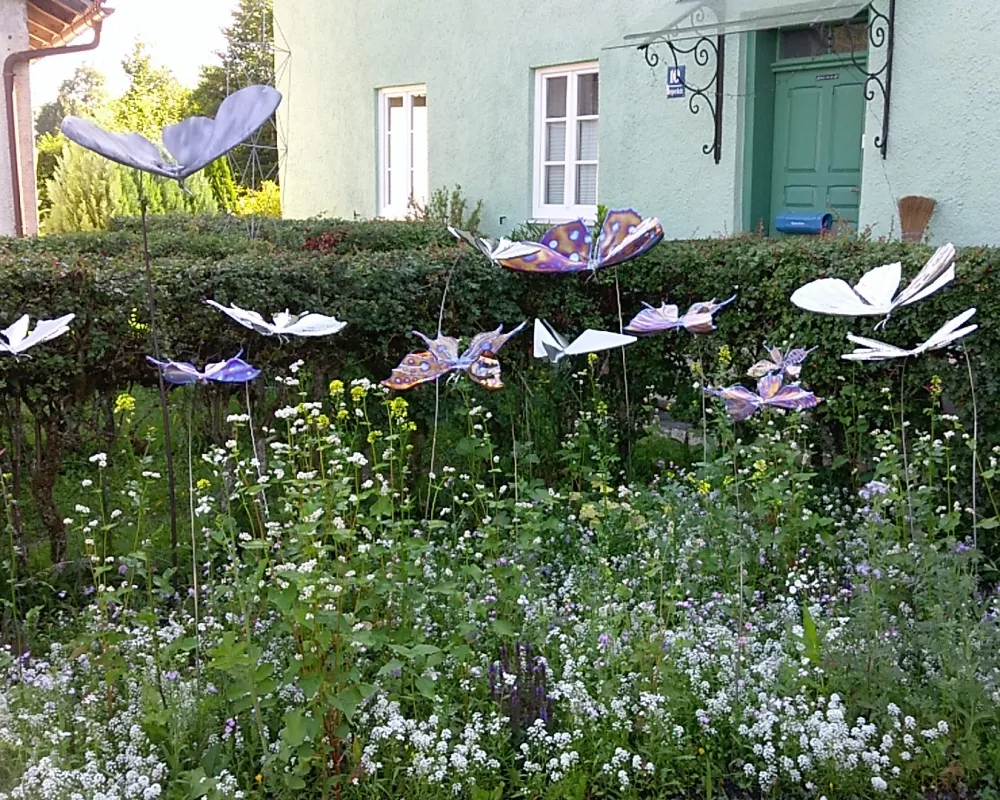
555,146
803,43
555,97
555,185
586,184
397,144
587,140
418,151
587,95
850,38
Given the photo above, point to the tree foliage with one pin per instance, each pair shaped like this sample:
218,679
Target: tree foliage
247,59
81,191
84,94
87,191
154,98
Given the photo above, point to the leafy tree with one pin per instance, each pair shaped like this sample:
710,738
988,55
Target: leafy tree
262,202
83,191
154,98
247,59
220,177
82,95
87,191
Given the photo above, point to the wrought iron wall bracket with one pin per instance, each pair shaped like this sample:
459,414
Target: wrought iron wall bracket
711,95
881,34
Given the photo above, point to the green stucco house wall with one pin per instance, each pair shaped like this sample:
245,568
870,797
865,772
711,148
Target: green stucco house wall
536,108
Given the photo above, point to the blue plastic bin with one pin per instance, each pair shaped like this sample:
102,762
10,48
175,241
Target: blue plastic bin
809,223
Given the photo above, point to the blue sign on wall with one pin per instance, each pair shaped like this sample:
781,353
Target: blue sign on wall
675,80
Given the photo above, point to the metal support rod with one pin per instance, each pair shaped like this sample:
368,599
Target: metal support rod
720,72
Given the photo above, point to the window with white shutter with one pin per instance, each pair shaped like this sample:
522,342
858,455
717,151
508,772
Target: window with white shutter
567,102
402,135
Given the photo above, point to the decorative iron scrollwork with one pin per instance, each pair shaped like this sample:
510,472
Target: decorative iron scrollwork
881,34
710,95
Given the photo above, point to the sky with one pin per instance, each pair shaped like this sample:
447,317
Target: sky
180,34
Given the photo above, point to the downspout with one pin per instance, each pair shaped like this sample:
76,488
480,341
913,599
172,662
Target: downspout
10,63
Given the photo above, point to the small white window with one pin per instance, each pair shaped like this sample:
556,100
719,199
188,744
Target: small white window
402,136
566,114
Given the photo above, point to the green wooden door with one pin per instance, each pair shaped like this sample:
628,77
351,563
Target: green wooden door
818,125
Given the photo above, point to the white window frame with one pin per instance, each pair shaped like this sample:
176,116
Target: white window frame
541,211
397,209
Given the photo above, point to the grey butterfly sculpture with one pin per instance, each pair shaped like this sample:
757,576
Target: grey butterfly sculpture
194,143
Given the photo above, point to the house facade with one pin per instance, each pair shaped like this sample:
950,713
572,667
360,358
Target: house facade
544,109
32,29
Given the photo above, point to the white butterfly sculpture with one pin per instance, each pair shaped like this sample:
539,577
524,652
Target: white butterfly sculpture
285,324
17,339
873,350
875,294
550,345
495,250
194,143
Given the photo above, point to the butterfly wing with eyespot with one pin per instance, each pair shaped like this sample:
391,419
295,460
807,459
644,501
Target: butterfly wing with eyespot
543,260
485,371
419,367
639,239
490,341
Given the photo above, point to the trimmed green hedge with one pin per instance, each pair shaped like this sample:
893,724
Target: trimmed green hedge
387,278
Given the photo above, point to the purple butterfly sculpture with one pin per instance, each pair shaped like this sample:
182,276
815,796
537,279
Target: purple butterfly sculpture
789,363
698,318
441,357
182,373
742,404
570,247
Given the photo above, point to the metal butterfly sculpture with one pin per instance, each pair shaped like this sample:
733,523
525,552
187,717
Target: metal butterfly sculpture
875,294
873,350
479,360
570,247
194,143
495,250
550,345
16,339
698,319
789,363
285,324
182,373
742,404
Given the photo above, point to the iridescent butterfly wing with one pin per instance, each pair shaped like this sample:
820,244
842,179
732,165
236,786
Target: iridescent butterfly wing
491,341
179,373
416,368
564,248
654,320
425,365
791,397
485,371
234,370
625,235
700,318
740,402
791,364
